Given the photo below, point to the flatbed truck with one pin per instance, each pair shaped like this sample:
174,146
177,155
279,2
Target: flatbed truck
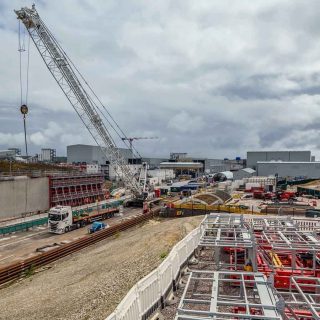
62,219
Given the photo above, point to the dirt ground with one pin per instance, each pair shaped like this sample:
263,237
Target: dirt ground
90,284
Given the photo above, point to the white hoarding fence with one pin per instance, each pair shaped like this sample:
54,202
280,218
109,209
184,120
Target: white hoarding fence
129,307
175,262
149,293
165,276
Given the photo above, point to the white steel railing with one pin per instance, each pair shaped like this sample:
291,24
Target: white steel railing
150,292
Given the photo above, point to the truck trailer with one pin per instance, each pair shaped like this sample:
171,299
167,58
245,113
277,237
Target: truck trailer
62,219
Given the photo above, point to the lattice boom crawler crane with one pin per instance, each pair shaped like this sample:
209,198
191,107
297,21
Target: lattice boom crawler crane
83,101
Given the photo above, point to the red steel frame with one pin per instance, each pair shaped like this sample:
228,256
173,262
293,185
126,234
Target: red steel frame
75,190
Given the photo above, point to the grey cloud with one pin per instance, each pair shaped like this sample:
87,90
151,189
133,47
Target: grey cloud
213,78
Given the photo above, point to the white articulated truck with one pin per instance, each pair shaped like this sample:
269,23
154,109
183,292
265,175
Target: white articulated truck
62,219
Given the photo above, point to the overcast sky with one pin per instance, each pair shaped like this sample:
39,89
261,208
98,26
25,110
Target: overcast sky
211,78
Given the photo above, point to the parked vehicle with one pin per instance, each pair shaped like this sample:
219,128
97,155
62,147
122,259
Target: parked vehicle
312,213
97,226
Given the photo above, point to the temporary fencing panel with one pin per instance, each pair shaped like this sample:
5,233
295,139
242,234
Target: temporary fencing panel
165,276
182,251
112,317
148,291
190,242
128,309
175,262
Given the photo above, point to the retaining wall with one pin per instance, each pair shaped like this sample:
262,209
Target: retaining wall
150,292
23,194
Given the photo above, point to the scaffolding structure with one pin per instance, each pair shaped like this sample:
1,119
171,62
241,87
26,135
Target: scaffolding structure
226,248
226,220
283,223
261,223
76,189
284,255
228,295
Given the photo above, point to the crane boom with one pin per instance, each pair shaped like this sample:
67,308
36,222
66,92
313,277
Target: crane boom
64,72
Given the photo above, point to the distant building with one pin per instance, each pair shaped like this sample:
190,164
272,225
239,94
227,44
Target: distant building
17,151
60,159
178,156
7,154
286,156
244,173
183,168
285,169
162,174
93,168
48,155
154,163
210,165
90,154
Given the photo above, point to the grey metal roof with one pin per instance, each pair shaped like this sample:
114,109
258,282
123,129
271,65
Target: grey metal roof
248,170
175,165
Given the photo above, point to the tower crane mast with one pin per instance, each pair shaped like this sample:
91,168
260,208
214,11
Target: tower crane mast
65,74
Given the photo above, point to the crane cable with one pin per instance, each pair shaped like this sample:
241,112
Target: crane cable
28,63
22,49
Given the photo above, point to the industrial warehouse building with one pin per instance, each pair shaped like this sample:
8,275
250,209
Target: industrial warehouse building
92,154
82,153
284,169
286,156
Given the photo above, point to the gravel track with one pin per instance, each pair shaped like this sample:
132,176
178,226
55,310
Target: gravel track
89,284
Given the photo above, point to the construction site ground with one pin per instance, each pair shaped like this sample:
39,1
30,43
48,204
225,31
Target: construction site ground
22,245
89,284
258,204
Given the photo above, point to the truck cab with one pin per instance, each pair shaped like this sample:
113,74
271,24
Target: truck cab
60,219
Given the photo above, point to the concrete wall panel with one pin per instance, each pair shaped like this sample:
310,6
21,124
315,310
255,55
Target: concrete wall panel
23,195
